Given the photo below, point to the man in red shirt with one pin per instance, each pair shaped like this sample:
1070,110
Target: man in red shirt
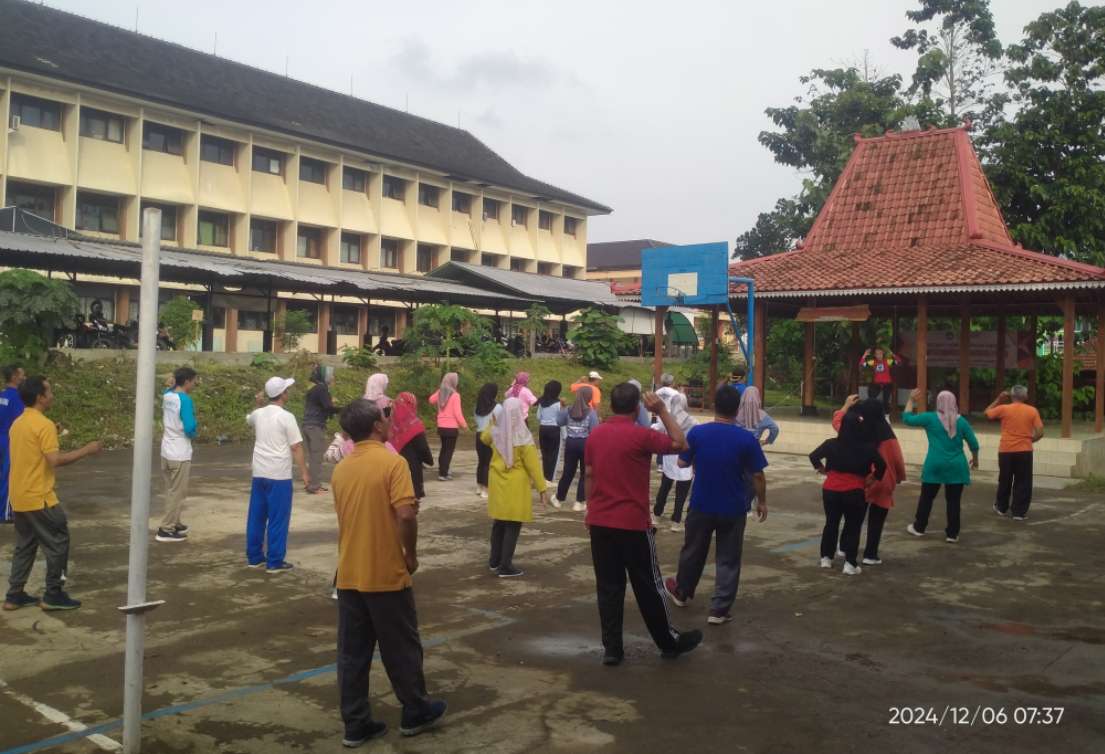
618,457
882,378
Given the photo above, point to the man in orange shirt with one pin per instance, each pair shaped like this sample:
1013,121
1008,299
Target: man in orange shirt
592,380
377,540
1021,426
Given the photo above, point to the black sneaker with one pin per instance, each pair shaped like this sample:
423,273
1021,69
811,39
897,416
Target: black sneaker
363,734
509,573
170,535
22,599
414,724
612,659
182,528
281,568
59,601
686,642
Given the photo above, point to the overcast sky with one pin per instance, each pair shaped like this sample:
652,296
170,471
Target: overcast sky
649,107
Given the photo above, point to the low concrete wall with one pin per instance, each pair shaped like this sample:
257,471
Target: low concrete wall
175,358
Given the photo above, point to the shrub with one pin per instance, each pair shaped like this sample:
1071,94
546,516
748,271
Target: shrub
263,361
360,358
597,339
292,325
177,317
32,307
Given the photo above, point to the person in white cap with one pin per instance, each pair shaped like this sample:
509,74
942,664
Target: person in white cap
278,442
592,381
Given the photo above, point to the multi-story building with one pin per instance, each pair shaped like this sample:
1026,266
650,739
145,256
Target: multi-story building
619,262
102,122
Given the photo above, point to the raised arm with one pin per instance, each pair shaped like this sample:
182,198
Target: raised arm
657,406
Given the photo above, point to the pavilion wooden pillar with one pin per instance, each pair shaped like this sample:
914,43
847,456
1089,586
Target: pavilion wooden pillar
964,359
281,313
711,381
230,338
362,324
895,346
1032,360
1099,374
808,371
853,360
760,349
922,355
1068,366
324,317
999,367
658,349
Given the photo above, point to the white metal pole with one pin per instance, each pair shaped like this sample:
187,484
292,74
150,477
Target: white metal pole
140,482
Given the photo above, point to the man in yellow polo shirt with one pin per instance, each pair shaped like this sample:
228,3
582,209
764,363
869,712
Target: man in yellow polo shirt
377,541
39,520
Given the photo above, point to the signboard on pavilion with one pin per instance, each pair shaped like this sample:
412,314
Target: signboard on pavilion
943,349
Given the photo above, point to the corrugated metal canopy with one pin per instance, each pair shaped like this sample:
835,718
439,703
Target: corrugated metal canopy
560,295
185,266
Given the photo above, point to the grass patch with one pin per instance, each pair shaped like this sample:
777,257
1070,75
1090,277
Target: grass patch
1093,484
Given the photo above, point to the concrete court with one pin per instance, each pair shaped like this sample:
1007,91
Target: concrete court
239,661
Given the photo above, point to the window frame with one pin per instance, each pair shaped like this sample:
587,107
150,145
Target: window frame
166,211
345,242
88,114
37,192
104,202
173,138
514,221
306,232
255,316
489,203
431,251
210,217
391,246
518,264
545,220
340,317
574,222
22,103
427,190
394,181
272,155
261,227
312,164
357,175
219,144
466,199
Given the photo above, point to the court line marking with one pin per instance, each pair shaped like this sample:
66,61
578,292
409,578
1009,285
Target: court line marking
83,731
1089,507
60,718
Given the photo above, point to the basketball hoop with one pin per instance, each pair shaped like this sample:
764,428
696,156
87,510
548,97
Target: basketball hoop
677,296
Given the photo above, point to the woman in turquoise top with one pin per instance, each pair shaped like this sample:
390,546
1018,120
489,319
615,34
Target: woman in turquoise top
945,463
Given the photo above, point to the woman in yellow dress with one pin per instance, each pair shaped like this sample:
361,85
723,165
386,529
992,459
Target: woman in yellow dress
515,468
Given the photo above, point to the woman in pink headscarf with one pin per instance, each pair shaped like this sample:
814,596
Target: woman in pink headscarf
520,390
945,462
515,469
375,390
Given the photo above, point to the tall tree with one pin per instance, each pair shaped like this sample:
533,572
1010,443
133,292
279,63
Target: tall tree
958,53
1045,153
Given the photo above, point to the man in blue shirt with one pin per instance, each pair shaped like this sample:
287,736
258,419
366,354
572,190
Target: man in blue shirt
738,380
728,471
11,406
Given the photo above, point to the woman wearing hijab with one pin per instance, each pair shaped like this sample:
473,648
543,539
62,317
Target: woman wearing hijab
487,408
578,420
669,465
846,461
945,462
375,390
450,420
408,437
752,416
514,469
880,494
520,390
318,407
548,434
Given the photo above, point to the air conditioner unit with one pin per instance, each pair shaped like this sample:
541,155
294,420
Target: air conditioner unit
16,120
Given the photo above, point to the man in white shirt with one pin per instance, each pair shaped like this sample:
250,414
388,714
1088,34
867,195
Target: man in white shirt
277,443
178,419
667,388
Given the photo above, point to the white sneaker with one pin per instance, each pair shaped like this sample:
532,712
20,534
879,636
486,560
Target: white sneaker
677,527
851,570
826,562
839,553
654,519
951,540
577,507
334,596
914,532
872,561
556,503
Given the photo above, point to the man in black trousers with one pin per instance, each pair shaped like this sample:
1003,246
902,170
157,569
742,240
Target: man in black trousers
618,457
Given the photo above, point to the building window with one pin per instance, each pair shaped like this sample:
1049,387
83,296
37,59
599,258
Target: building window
491,209
519,215
569,272
570,224
462,202
214,149
214,229
309,243
395,188
39,113
262,236
343,320
268,161
389,254
311,310
518,265
168,220
96,124
428,196
159,138
490,260
252,320
98,213
544,220
38,200
544,268
350,248
354,180
312,171
427,257
460,255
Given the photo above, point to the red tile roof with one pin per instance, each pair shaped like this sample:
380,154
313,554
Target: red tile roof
911,210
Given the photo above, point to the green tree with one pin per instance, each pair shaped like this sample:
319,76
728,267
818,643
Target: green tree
291,326
177,317
1046,158
957,58
444,332
32,307
534,323
597,338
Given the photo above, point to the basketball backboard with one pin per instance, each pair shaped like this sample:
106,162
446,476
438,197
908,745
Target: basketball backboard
695,275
